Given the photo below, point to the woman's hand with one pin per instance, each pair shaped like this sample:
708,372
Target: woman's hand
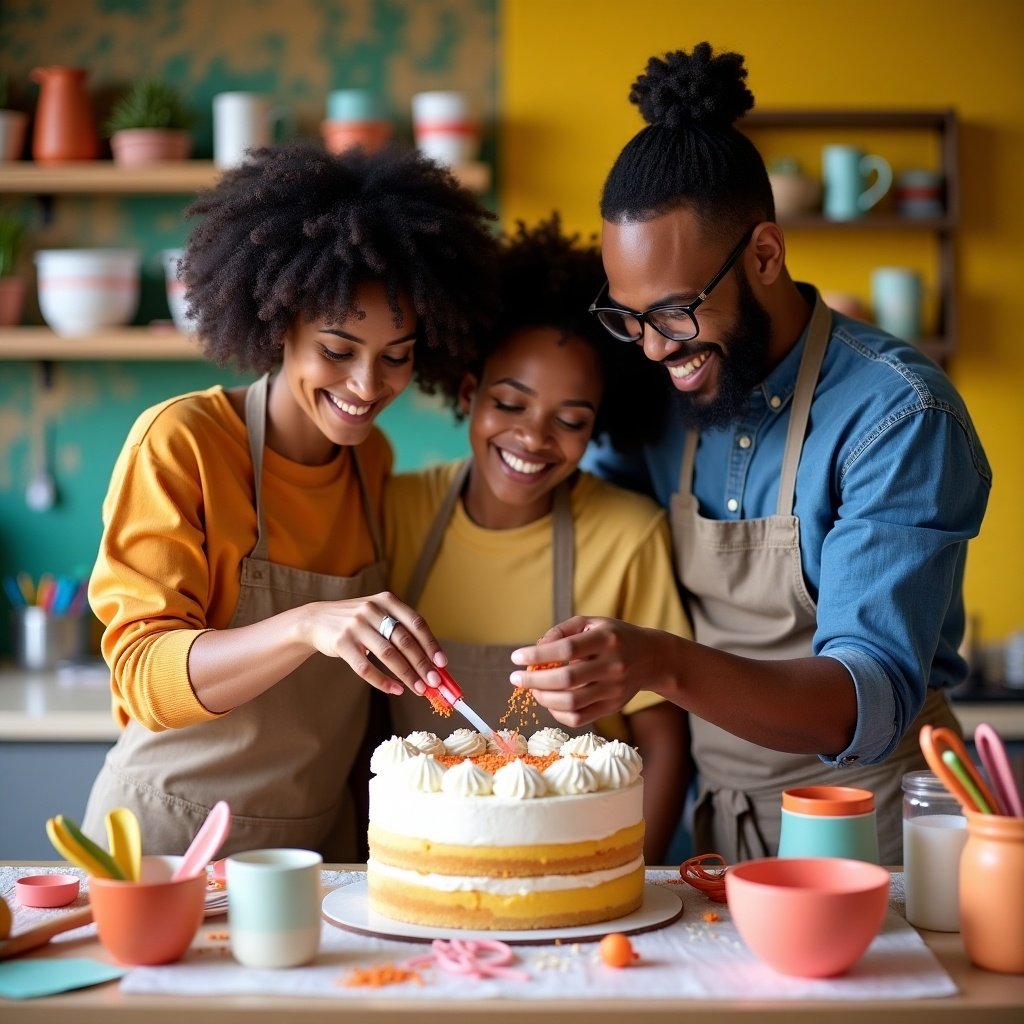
381,625
602,663
228,667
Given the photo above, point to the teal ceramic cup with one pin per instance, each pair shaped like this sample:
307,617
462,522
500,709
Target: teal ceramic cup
845,170
274,907
829,821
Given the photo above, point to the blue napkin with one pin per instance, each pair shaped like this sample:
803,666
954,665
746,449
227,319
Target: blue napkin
27,979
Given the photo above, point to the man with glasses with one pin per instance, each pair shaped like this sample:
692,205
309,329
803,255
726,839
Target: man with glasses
823,480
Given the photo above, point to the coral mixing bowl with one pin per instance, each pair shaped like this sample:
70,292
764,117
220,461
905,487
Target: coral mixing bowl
808,916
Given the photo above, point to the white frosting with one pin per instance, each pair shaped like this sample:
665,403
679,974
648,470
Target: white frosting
503,886
583,745
546,741
426,743
612,769
629,754
570,776
519,781
465,743
500,821
391,753
421,773
510,736
467,779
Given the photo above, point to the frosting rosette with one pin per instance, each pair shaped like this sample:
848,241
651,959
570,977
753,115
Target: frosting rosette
546,741
570,776
519,781
467,779
390,754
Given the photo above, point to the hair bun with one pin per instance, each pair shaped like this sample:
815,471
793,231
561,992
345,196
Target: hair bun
693,88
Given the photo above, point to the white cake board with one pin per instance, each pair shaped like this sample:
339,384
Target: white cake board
348,908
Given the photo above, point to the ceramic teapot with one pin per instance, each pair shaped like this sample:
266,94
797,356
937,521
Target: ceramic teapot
64,128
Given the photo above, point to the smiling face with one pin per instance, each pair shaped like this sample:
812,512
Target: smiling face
336,378
668,260
530,418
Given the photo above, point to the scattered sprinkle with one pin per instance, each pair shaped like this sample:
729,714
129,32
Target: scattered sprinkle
710,916
380,975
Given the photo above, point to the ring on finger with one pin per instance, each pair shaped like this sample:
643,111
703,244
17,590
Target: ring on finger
387,626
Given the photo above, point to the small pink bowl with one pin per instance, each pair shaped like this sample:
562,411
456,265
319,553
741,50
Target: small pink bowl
46,890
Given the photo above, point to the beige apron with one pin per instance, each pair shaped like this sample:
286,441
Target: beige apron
282,760
482,670
746,595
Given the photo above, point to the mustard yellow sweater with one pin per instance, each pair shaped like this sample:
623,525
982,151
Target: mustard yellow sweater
178,520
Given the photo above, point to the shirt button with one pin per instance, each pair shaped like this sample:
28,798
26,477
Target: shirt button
849,759
732,504
744,441
775,401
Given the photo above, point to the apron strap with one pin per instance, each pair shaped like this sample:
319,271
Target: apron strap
806,381
256,428
818,331
563,539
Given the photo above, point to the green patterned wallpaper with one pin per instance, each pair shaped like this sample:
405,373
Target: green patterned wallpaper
296,51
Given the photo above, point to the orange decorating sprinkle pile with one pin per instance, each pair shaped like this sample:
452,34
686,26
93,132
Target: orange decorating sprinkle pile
492,762
711,917
380,975
546,664
439,704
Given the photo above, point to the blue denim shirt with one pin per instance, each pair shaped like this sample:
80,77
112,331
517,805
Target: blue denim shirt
892,483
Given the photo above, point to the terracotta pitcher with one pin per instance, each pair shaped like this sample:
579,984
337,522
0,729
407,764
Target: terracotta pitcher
64,129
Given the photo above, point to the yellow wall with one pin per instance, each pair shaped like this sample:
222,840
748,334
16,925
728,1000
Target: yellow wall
567,66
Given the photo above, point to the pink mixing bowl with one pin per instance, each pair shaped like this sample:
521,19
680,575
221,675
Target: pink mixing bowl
807,916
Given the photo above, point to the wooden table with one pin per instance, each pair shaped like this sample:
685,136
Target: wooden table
983,997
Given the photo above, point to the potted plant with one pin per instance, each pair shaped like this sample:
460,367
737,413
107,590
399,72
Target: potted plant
794,191
12,284
12,126
149,124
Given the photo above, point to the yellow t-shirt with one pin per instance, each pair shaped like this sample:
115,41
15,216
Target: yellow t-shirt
494,586
178,520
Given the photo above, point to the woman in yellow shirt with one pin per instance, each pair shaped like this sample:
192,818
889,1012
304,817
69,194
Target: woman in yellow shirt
240,577
499,547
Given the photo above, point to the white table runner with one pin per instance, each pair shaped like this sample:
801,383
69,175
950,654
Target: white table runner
690,959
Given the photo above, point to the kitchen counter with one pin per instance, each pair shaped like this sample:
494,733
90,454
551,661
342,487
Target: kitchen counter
75,707
983,997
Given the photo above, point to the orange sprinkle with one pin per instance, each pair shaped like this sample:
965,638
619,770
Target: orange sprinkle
492,762
440,705
217,936
522,703
543,665
711,917
380,975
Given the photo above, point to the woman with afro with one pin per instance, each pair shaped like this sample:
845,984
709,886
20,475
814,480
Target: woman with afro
241,576
495,549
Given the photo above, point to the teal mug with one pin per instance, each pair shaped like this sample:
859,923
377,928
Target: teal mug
896,298
845,170
829,821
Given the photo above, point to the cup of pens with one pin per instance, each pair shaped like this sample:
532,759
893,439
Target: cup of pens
49,623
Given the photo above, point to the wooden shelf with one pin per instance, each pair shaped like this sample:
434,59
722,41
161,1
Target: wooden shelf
180,177
940,123
122,343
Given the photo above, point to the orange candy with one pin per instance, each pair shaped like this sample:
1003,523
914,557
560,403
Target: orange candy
617,951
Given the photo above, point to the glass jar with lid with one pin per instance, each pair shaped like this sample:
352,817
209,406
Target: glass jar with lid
934,834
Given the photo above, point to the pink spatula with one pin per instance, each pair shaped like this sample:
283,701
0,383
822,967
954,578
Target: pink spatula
209,839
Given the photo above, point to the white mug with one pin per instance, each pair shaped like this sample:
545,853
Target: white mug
244,121
896,295
445,128
274,907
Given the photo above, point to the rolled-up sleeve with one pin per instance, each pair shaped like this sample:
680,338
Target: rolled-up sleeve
912,493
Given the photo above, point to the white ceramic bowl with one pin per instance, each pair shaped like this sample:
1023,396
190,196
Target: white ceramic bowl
84,290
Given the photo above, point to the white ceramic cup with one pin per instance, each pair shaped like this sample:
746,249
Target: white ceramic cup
896,295
274,907
445,127
176,291
243,121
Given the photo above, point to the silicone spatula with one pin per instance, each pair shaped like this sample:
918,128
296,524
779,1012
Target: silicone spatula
208,841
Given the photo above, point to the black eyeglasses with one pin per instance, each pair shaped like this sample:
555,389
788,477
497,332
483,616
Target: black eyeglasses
677,323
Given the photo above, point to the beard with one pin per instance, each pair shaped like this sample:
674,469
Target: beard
743,365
